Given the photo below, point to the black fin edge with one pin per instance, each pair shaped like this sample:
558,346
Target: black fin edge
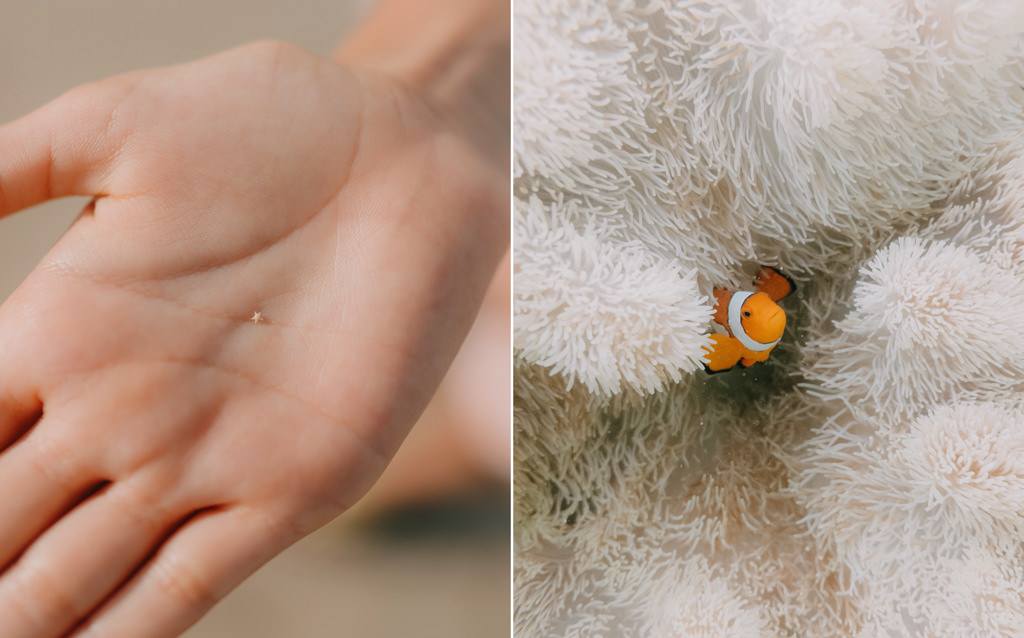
710,371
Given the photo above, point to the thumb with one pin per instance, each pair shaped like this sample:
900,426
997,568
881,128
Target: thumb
67,147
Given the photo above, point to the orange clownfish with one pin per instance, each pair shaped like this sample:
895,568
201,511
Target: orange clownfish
751,323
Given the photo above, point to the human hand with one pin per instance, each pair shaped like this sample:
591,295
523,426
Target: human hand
225,348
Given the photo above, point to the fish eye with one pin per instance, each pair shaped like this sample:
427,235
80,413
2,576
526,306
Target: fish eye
746,313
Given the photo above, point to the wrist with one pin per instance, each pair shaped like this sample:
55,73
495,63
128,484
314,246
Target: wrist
456,53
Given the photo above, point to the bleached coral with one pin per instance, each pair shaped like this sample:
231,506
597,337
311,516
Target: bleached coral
868,479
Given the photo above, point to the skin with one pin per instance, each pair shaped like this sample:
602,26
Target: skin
157,445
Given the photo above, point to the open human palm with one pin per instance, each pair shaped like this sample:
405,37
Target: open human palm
220,355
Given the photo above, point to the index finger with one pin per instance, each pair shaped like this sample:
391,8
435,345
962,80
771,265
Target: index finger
66,147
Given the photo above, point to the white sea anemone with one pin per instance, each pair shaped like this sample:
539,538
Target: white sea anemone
608,316
965,464
573,92
871,150
931,319
979,595
700,605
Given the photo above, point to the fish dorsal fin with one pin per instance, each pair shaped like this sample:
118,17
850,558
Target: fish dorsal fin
773,283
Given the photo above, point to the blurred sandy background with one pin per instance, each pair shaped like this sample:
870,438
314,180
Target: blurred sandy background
439,569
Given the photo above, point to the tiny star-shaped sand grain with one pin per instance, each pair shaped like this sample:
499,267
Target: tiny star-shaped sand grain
256,317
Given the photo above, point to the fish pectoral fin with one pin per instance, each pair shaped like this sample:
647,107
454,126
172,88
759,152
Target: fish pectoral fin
722,353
